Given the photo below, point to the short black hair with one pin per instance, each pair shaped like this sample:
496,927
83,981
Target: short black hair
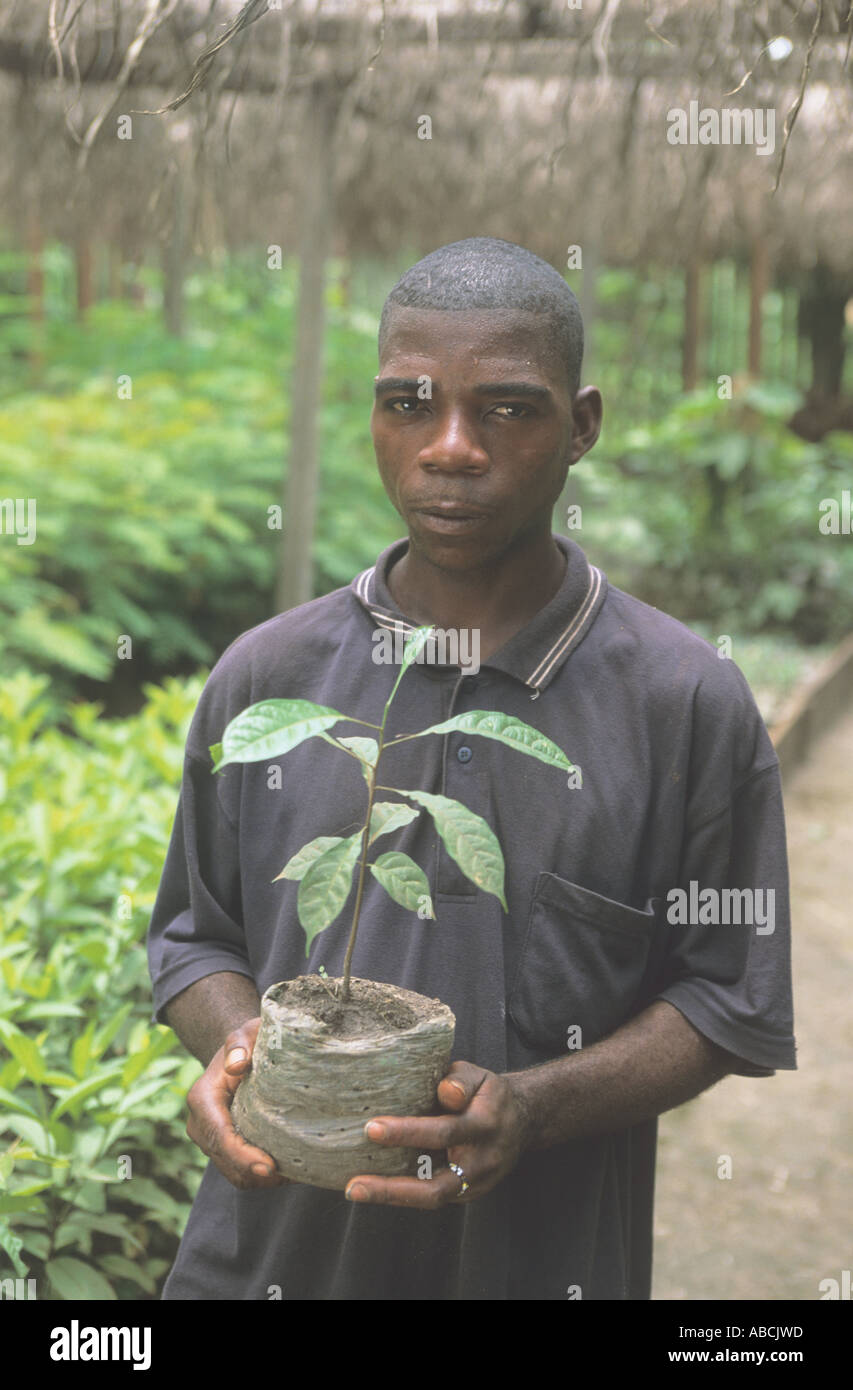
484,272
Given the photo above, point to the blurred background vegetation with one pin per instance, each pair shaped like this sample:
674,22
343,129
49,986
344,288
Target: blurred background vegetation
154,511
150,402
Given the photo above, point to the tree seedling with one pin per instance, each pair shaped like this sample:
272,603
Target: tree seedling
324,867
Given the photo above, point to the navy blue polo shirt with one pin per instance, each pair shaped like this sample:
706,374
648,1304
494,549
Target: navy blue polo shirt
680,794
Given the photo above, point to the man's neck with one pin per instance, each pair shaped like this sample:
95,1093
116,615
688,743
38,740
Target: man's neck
497,600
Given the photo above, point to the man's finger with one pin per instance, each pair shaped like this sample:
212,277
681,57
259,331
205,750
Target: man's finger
239,1047
459,1087
428,1132
210,1124
243,1164
426,1193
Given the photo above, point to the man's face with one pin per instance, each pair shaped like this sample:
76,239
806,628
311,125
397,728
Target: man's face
475,467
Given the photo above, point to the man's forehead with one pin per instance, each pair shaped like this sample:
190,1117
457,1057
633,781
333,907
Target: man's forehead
502,335
408,323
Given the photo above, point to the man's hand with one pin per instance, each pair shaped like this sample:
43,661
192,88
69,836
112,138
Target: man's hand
484,1134
210,1124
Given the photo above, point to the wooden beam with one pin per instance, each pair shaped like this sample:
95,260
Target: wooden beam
462,50
295,580
693,324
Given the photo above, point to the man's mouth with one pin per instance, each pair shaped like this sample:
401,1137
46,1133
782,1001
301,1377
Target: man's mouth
449,516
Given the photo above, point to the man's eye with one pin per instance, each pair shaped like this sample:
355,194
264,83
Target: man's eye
401,402
521,410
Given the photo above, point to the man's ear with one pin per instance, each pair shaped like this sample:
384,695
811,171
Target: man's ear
587,414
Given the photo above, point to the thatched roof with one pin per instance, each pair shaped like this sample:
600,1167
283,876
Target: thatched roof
549,124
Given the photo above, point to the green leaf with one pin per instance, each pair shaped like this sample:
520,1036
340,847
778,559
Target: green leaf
10,1204
35,1242
31,1011
508,730
106,1034
120,1267
86,1088
415,642
134,1098
389,815
144,1192
24,1050
16,1102
141,1061
32,1131
272,727
91,1198
27,1189
72,1279
105,1223
403,880
299,863
12,1245
367,749
325,887
468,839
81,1051
216,752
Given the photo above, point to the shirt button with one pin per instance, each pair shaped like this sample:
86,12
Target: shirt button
464,754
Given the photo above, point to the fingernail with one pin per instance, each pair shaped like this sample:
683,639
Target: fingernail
457,1087
357,1193
263,1170
374,1130
237,1054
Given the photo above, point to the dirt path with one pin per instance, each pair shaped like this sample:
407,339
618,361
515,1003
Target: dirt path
784,1221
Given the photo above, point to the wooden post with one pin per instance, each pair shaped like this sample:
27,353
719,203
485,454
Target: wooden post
692,324
295,579
85,288
114,271
35,290
35,267
174,257
588,300
758,283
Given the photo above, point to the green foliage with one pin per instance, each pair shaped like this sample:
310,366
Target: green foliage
506,730
324,867
403,880
325,887
468,839
86,1080
154,513
272,727
711,512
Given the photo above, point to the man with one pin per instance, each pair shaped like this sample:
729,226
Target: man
590,1007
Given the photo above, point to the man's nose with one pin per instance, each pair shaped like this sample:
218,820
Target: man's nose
453,445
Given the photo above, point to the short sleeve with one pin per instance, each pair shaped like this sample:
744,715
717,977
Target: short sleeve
196,926
728,933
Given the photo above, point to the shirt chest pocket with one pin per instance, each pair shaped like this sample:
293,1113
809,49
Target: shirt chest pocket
582,966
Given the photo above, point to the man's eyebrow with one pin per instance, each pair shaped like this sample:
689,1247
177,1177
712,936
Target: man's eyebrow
396,383
513,388
490,389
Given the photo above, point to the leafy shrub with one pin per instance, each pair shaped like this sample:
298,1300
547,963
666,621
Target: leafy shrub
96,1171
711,511
153,513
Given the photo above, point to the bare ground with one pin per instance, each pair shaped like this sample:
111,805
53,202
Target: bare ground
784,1220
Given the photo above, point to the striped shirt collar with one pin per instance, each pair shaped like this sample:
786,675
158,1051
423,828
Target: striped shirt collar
536,653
